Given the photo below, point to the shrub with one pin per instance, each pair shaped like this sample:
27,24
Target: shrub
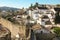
57,31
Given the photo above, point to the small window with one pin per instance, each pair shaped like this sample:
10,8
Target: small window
45,17
59,13
47,22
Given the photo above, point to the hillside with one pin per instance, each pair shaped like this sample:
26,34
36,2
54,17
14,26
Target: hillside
8,8
12,27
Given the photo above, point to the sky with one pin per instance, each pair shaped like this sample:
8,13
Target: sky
25,3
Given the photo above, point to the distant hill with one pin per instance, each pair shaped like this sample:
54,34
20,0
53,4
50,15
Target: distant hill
8,8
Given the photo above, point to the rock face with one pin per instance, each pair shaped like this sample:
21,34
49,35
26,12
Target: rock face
45,36
5,34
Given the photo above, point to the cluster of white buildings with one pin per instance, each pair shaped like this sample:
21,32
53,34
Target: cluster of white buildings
44,17
41,16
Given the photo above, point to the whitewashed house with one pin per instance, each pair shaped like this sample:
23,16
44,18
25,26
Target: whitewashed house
35,14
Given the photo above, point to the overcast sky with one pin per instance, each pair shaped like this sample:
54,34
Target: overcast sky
25,3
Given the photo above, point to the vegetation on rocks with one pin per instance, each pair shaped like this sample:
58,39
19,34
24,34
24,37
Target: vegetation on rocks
57,31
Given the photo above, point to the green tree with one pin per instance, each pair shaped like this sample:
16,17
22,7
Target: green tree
57,31
36,4
31,6
58,5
